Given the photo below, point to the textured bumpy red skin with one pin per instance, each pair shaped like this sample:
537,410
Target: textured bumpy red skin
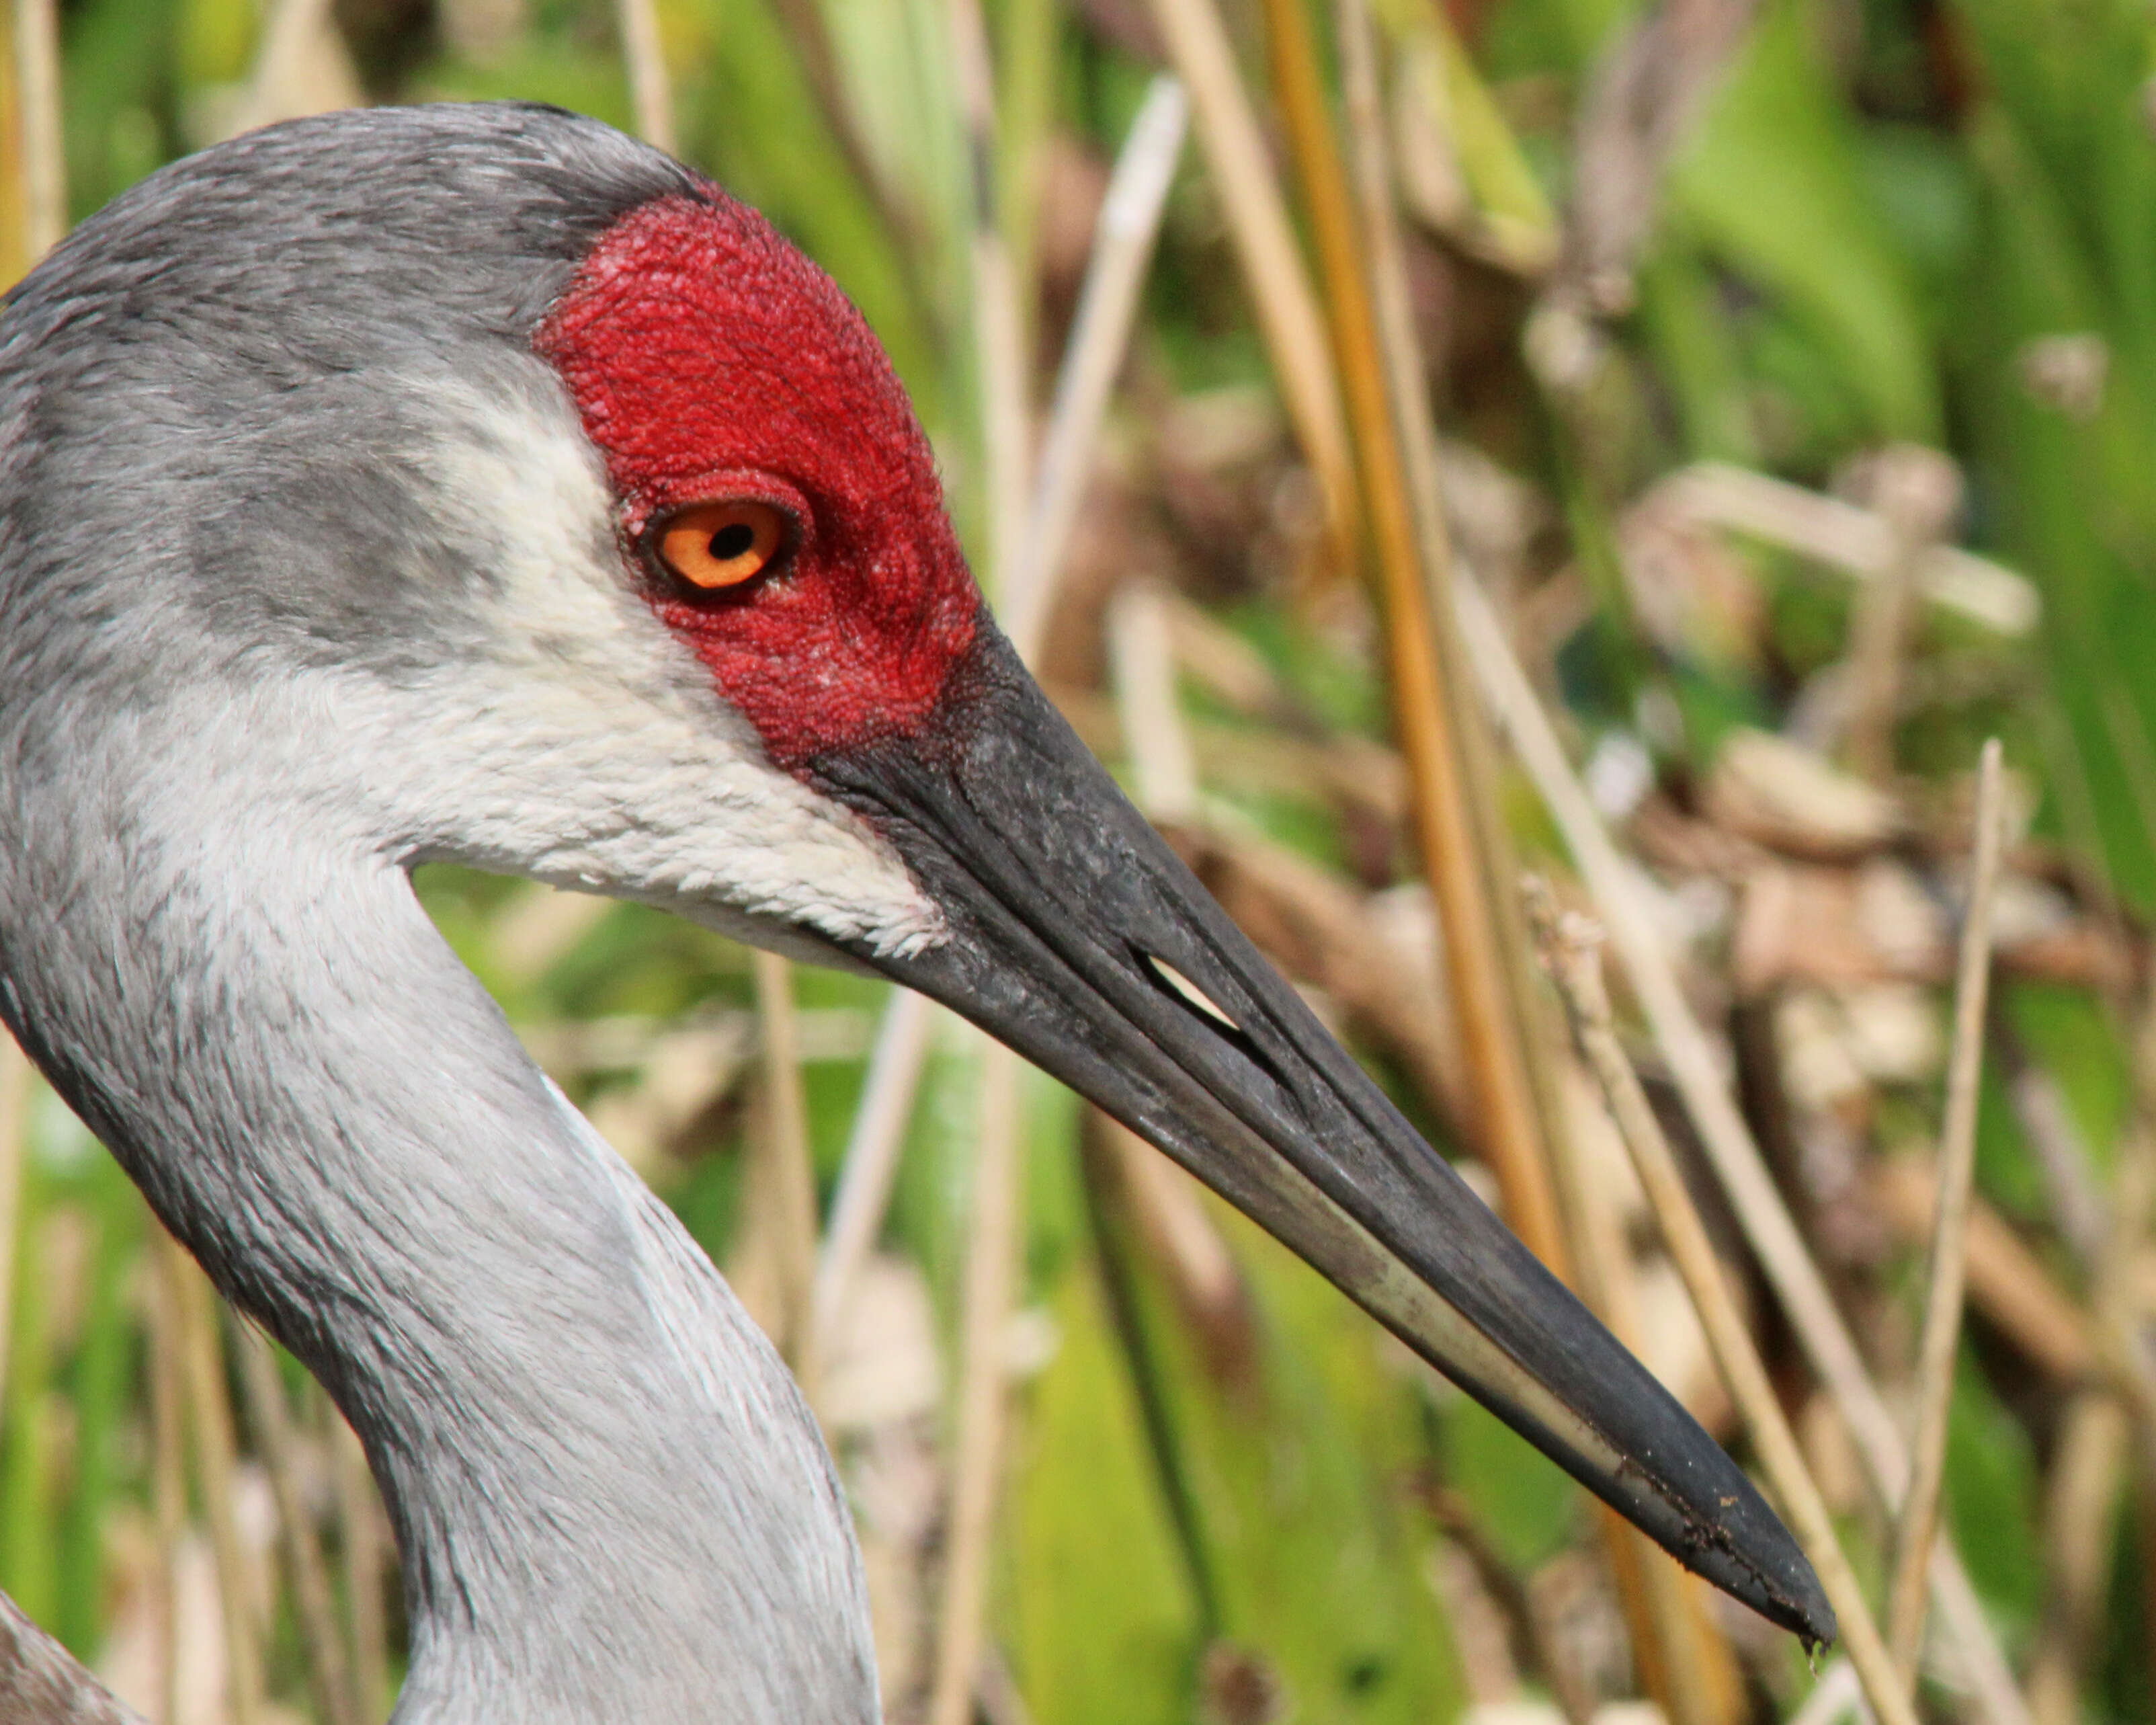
709,358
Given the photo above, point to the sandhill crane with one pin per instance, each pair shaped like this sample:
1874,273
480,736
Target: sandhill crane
472,482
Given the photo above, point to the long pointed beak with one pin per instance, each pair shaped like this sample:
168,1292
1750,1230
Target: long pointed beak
1078,937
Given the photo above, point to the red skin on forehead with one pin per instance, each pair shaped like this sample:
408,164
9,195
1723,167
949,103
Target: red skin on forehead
709,359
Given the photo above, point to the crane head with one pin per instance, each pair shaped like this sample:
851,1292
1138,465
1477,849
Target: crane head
773,495
519,499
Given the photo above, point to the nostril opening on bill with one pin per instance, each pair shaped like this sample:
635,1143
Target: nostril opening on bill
1180,985
1201,1005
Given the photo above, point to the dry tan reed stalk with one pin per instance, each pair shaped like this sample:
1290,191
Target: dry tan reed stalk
1163,1202
2080,1501
1641,94
1835,1696
997,1692
1507,1127
998,305
15,1080
2082,1490
168,1478
1949,1258
329,1674
651,97
1879,634
871,1158
209,1417
787,1182
992,1249
1572,949
1141,671
1287,310
41,170
40,159
808,33
1856,540
1100,337
297,36
2008,1282
1407,383
992,1255
366,1569
1727,1140
1686,1664
1915,492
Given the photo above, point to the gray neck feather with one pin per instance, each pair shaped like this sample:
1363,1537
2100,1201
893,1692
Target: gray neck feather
40,1682
611,1501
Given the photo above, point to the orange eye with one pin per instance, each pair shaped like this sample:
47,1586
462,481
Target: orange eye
713,545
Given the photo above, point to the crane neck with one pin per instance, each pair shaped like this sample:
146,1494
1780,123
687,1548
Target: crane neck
610,1500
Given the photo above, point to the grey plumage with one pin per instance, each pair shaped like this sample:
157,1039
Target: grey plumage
234,585
40,1684
259,340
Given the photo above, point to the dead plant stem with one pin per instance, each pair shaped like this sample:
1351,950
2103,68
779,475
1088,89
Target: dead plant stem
650,97
1408,389
1141,671
870,1162
359,1524
209,1414
15,1077
809,34
2080,1501
1727,1140
1685,1665
1915,492
992,1247
41,160
1572,948
1506,1127
1407,385
270,1415
998,306
290,31
168,1469
789,1186
1281,292
1100,338
1123,239
991,1276
1880,633
1949,1257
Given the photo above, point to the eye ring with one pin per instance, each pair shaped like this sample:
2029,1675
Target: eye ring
721,544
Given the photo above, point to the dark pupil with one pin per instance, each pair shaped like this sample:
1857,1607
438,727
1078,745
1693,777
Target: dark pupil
736,540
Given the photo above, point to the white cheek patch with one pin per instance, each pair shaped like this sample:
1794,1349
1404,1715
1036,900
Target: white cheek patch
584,745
